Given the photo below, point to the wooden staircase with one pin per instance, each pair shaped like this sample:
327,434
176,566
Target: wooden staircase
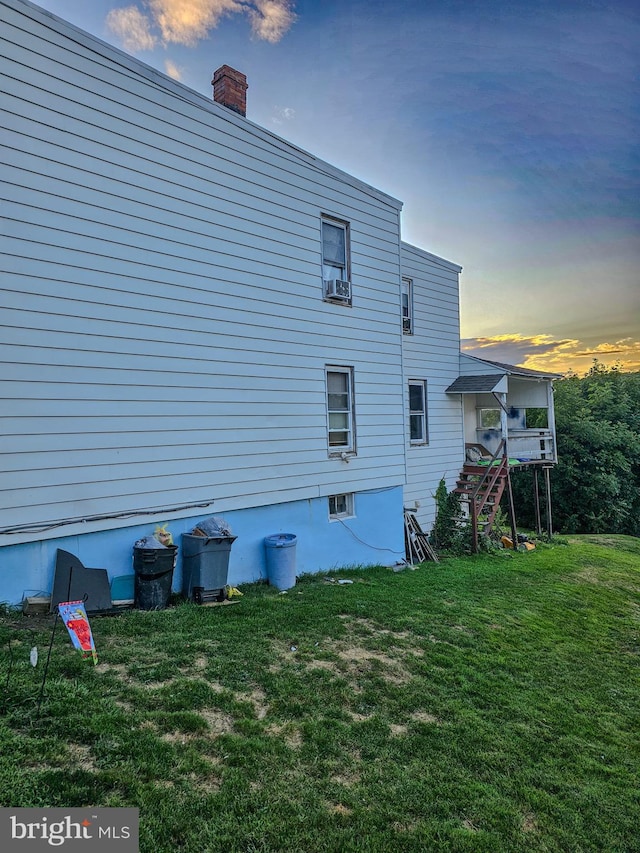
481,487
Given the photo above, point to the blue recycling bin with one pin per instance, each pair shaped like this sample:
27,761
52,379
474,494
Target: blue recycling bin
280,551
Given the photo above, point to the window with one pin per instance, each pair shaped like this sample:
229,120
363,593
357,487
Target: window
488,418
335,260
407,306
341,506
418,426
340,413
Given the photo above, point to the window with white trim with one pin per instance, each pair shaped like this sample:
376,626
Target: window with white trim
335,260
340,410
418,422
341,506
407,306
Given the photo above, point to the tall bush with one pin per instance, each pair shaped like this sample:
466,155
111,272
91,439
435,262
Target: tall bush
595,488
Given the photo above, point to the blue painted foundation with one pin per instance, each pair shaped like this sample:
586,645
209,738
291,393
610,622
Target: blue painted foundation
375,536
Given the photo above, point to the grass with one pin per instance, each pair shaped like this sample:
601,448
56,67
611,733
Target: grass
481,704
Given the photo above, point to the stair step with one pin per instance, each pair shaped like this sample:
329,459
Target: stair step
470,488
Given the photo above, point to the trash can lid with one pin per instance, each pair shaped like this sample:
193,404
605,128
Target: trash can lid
280,540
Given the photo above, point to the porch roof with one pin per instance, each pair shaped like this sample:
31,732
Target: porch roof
477,384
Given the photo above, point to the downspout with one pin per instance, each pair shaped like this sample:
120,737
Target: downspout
405,403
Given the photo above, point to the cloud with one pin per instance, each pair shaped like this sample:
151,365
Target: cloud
187,22
271,19
172,70
132,28
542,352
282,114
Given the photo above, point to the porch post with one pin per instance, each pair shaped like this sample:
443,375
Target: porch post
536,499
551,420
503,424
547,482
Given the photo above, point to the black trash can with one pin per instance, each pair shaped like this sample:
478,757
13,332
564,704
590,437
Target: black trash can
153,568
205,566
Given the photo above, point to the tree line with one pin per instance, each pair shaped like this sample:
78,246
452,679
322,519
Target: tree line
595,487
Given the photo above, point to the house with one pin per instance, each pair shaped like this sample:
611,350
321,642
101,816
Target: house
200,318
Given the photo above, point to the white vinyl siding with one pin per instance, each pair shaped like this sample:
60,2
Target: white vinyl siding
433,351
164,343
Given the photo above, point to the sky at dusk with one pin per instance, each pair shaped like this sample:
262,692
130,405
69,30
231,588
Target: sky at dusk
508,129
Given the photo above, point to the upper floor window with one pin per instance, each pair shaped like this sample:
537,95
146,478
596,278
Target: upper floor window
418,422
407,306
335,260
340,412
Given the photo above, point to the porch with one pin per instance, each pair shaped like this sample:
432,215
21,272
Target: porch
509,422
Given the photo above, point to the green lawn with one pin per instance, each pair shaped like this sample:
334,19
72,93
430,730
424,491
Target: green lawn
485,703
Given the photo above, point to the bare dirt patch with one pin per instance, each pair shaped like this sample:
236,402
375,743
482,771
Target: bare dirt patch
424,717
397,730
360,660
81,756
374,629
218,722
328,665
347,778
119,669
209,782
338,808
529,823
258,699
359,718
289,733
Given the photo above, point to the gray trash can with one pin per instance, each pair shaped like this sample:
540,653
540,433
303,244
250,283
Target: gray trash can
280,550
205,566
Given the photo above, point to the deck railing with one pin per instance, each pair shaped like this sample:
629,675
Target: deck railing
535,445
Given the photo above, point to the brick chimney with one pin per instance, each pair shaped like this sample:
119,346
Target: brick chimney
230,89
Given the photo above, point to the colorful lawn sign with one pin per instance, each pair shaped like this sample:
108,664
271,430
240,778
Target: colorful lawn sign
74,616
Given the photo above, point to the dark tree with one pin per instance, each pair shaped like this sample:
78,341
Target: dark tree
595,487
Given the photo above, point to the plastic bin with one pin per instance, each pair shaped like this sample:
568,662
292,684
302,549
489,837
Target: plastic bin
281,560
205,566
153,568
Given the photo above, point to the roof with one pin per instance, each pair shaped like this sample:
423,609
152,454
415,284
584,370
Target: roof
513,369
474,384
429,256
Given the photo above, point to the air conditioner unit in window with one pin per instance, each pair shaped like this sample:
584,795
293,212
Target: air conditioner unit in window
335,288
406,324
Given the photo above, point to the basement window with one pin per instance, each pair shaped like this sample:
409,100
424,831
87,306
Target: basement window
341,506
